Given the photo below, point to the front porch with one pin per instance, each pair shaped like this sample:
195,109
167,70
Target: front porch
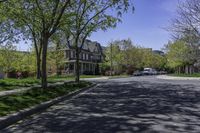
86,68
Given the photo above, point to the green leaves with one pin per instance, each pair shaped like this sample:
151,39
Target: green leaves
12,60
178,54
124,55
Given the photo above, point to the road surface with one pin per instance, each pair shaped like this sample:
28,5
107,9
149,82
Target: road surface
127,105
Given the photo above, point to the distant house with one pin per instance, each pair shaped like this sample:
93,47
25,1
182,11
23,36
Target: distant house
159,52
90,57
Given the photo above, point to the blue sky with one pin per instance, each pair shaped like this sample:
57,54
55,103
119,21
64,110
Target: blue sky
145,26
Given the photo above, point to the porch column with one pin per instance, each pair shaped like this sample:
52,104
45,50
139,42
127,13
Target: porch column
89,67
93,68
74,64
81,68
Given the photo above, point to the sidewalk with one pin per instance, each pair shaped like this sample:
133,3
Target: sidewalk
176,78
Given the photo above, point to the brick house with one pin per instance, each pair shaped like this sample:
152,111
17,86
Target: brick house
90,57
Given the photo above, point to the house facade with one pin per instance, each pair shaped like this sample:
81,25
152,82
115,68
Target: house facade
91,56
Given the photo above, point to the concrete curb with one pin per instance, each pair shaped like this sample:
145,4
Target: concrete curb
13,118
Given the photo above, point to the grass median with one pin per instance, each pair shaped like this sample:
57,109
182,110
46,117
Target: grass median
195,75
10,84
17,102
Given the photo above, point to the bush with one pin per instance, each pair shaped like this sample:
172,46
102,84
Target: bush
129,70
88,73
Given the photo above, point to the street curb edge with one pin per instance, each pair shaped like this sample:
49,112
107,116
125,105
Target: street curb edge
15,117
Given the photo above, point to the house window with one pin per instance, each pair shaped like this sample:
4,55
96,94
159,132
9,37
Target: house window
71,67
72,54
80,56
66,54
86,56
90,57
83,56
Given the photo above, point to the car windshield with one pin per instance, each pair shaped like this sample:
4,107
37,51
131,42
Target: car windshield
147,69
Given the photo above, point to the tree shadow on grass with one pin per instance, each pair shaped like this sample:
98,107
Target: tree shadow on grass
122,107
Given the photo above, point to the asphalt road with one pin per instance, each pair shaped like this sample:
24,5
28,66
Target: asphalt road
128,105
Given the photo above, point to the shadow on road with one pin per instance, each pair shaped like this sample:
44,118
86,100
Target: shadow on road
122,107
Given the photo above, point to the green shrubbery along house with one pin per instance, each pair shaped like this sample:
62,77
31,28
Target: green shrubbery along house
1,73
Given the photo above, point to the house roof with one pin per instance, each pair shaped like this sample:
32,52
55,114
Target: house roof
158,52
90,46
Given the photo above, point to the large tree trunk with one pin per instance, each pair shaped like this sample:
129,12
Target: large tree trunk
38,67
38,61
191,69
77,66
179,70
44,58
186,69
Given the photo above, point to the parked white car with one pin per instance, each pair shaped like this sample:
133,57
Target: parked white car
149,71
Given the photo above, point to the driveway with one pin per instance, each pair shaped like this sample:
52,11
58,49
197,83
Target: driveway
128,105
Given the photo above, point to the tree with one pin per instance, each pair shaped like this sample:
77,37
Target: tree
7,31
178,55
127,57
44,17
3,1
91,16
114,57
8,57
56,53
25,62
12,60
185,26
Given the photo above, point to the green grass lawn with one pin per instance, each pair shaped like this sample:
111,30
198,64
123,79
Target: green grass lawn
17,102
10,84
18,82
186,75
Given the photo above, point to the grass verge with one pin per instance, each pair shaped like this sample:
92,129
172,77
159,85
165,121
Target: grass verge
196,75
17,102
10,84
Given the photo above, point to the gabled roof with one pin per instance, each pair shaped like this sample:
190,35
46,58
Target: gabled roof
89,46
